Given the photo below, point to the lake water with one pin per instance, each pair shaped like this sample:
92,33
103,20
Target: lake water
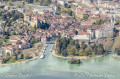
50,67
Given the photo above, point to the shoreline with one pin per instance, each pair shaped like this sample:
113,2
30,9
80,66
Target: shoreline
75,57
17,62
24,61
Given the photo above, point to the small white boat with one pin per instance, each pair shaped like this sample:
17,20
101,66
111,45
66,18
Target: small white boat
42,56
51,50
44,48
46,45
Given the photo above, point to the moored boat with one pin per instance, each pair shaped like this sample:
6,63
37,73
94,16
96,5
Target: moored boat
46,45
42,55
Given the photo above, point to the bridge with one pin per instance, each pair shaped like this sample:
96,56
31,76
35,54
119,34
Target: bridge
51,42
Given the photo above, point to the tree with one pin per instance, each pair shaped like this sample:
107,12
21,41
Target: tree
81,51
88,51
32,41
71,50
69,47
117,51
13,33
9,3
45,2
77,45
117,21
58,50
70,12
6,37
99,22
13,58
84,46
85,16
64,53
74,61
35,27
35,1
76,32
1,42
19,57
67,6
27,56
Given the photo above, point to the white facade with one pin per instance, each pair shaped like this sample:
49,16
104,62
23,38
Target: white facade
54,7
62,2
82,37
104,32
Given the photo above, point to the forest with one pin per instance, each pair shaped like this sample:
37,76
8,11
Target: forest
68,47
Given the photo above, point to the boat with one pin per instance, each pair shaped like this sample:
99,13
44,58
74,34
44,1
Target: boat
42,55
43,51
51,50
44,48
46,45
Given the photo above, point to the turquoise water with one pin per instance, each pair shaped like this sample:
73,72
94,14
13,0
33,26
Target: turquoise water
107,67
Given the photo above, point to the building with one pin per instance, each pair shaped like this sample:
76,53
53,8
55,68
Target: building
82,36
91,32
31,19
61,2
85,23
81,12
103,32
15,38
10,49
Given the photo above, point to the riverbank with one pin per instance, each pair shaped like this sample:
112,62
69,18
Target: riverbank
17,62
75,57
25,60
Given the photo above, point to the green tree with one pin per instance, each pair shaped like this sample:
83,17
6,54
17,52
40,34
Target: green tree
117,21
13,58
6,37
117,51
35,27
85,17
32,41
70,12
64,53
9,3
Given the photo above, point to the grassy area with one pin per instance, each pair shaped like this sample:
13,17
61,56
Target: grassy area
10,61
14,61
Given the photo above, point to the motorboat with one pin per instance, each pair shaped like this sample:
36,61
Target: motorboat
42,55
51,50
46,45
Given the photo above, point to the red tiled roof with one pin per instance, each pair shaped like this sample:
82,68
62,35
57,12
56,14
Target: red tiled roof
83,33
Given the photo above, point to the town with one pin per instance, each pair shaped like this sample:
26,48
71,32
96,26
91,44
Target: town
24,24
